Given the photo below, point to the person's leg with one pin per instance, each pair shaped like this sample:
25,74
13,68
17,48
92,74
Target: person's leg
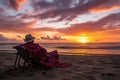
54,54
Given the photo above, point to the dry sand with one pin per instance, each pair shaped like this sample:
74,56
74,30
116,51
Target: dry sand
84,67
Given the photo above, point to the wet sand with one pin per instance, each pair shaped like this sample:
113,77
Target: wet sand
84,67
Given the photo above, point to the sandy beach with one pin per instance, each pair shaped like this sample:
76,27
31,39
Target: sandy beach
84,67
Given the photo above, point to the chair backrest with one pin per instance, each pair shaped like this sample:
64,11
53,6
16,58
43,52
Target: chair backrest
22,52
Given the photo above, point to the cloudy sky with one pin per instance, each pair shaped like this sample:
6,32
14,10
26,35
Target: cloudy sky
66,20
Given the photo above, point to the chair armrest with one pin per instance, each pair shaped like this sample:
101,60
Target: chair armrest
22,52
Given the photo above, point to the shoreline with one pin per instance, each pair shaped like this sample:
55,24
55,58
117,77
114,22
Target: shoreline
84,67
66,53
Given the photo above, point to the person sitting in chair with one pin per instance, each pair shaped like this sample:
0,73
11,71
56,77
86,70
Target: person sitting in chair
49,60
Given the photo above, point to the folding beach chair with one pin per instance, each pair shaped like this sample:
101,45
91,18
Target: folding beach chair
21,54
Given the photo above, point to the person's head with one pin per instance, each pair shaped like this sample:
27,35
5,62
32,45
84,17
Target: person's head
29,38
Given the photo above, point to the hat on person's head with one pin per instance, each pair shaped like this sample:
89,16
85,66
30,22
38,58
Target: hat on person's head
29,38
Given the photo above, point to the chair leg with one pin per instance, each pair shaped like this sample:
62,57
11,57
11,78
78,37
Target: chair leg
19,59
16,61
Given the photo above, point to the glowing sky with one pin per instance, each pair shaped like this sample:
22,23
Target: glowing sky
68,20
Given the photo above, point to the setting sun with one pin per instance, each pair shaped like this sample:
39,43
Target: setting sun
83,39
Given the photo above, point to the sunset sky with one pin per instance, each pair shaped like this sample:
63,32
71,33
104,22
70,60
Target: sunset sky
60,20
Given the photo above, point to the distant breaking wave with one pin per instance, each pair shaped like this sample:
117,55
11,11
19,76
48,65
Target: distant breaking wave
89,47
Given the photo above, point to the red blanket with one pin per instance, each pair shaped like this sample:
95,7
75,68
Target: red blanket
49,60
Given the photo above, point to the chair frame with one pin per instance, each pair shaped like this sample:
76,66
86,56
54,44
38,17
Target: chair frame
21,54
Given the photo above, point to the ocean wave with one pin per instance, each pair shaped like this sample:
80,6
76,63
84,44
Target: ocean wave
88,47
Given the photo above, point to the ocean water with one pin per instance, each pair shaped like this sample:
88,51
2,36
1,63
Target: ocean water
71,48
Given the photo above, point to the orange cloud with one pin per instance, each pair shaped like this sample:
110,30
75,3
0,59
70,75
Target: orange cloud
112,35
17,3
103,9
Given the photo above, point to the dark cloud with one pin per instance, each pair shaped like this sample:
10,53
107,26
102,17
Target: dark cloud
18,36
9,4
69,9
52,38
16,4
64,9
109,22
4,3
1,10
8,24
